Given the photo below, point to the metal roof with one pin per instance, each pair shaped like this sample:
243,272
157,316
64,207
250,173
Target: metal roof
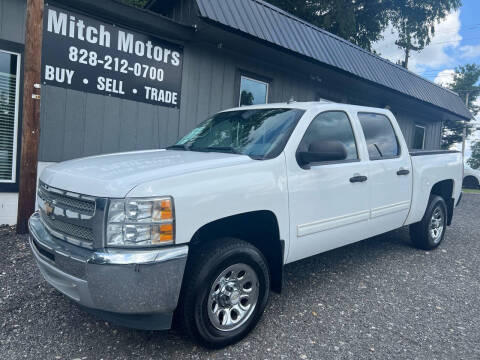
269,23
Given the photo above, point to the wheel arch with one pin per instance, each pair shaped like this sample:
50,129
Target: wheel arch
260,228
444,189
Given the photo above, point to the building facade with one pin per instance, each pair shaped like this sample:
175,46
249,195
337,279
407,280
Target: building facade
233,53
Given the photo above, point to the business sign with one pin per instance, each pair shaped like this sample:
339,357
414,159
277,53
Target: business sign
84,54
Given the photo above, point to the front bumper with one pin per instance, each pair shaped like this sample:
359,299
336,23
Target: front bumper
119,283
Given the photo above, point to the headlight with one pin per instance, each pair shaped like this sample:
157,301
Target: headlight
140,222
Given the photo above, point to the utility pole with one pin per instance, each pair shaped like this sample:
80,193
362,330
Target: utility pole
30,114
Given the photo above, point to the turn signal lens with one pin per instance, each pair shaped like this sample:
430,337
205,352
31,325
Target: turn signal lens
163,210
162,234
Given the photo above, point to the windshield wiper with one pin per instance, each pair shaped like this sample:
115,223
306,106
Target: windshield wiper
227,149
179,147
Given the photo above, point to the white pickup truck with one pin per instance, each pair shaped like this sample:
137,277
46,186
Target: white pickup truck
202,230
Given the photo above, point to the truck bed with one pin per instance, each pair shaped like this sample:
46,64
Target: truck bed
438,166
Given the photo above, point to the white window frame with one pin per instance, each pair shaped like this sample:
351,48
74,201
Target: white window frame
255,80
424,133
13,180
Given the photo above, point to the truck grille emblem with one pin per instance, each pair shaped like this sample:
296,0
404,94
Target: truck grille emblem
49,209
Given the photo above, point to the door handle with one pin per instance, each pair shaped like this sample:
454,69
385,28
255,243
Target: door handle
358,178
403,172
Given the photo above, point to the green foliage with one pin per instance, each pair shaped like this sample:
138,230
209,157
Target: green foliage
474,160
464,82
415,21
246,98
362,21
358,21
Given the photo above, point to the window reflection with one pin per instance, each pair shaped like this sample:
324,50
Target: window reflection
253,92
331,126
419,137
380,136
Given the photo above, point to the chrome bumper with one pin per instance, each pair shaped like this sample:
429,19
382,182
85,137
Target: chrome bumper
117,281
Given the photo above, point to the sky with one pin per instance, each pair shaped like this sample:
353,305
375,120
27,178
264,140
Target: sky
456,42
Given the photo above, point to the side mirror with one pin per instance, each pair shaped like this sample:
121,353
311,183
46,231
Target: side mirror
321,151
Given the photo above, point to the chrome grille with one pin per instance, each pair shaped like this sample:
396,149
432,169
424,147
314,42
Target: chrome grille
67,215
83,206
67,229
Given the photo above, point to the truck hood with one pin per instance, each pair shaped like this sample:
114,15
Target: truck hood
114,175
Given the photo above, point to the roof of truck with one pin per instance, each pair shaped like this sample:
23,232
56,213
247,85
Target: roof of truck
311,105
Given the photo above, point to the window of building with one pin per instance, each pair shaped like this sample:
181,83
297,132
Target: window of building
331,126
381,139
419,137
9,97
252,91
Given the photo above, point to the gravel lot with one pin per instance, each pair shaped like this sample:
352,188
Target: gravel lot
379,298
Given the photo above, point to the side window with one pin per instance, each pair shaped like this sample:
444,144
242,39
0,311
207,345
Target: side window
380,136
331,126
419,137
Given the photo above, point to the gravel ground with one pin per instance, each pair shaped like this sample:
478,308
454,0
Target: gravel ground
379,298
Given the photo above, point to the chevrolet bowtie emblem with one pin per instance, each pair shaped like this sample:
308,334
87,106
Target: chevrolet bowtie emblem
49,209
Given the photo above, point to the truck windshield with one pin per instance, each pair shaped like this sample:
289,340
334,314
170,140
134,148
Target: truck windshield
258,133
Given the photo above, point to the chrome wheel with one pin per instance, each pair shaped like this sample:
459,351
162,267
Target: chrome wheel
233,297
437,225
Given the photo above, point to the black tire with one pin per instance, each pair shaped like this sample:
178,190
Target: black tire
470,182
421,232
206,264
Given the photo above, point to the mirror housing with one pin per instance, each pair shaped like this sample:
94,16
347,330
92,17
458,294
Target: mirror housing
322,151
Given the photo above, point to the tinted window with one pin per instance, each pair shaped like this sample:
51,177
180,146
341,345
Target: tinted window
253,92
331,126
380,136
419,137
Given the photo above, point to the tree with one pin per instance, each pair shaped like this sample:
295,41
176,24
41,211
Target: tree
362,21
358,21
415,22
464,81
474,160
246,98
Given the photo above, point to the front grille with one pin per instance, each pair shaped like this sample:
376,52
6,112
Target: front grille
67,215
66,229
85,206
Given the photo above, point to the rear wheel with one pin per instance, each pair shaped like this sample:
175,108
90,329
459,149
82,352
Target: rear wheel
430,231
225,292
470,182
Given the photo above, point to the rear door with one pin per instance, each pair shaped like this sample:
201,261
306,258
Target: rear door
390,172
329,206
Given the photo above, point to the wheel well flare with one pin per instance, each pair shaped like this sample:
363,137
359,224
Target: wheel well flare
260,228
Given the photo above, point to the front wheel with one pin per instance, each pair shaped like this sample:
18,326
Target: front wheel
225,292
430,231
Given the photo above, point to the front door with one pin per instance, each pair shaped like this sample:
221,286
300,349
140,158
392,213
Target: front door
329,202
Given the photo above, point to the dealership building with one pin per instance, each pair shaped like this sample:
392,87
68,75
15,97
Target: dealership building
118,78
